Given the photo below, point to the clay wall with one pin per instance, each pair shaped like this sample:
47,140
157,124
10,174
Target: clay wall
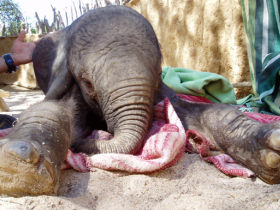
204,35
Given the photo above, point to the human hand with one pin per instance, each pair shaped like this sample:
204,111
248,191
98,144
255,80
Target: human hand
22,51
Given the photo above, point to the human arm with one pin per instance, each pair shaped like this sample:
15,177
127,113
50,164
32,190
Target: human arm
21,52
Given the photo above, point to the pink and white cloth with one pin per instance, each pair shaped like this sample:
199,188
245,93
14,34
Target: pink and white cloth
165,144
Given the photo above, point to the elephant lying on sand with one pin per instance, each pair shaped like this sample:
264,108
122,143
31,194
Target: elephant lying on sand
103,72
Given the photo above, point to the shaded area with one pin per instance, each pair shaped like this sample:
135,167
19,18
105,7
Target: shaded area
20,99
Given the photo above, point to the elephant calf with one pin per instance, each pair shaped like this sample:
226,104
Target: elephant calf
103,72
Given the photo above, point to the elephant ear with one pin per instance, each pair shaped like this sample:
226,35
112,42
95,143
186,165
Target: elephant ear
50,65
61,81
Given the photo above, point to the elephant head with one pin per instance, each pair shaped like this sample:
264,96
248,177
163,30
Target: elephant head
114,57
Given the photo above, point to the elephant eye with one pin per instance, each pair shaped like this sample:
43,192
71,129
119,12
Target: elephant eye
87,83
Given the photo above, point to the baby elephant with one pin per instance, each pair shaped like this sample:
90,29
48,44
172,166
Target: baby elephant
103,72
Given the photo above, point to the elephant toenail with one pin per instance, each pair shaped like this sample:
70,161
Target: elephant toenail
274,140
271,159
22,150
46,171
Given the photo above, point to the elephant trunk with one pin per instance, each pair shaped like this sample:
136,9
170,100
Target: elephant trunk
129,133
128,117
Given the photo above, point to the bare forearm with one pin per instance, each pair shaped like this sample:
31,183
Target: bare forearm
21,53
3,65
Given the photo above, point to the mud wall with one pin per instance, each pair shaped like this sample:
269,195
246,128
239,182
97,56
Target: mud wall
204,35
25,76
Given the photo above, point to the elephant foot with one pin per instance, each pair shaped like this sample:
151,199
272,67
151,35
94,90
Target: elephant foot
32,153
24,170
265,155
249,142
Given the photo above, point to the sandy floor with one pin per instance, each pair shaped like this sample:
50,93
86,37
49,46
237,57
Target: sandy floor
20,99
191,184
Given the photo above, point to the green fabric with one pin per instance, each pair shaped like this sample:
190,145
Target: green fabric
210,85
262,27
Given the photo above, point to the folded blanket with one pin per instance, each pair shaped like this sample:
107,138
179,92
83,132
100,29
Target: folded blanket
209,85
163,147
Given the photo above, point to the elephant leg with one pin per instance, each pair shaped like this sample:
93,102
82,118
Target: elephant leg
32,154
86,120
251,143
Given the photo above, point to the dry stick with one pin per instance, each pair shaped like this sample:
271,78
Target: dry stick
72,18
60,20
56,22
75,9
96,3
47,26
37,27
80,7
4,31
11,30
40,24
84,10
26,26
87,6
66,17
54,19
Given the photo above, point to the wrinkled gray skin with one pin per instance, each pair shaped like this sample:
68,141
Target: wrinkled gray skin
103,72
